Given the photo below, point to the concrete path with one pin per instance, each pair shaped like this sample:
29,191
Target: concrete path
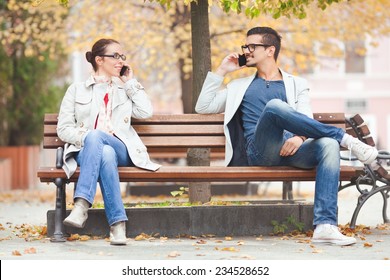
19,241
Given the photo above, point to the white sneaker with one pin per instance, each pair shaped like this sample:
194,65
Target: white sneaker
365,153
330,234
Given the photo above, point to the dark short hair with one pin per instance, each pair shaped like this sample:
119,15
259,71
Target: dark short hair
269,36
98,48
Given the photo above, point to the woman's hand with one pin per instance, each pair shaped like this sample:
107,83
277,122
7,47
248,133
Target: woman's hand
128,75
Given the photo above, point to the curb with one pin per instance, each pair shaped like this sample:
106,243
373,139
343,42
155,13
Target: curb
243,220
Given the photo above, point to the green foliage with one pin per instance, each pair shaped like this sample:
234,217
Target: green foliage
276,8
280,228
29,94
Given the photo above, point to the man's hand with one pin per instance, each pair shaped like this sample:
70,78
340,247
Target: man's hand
291,146
228,64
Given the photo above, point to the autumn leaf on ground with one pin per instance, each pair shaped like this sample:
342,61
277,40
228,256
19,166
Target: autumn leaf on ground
303,241
228,238
201,241
240,243
143,236
316,251
31,250
383,226
84,238
16,253
173,254
366,244
73,237
230,249
208,235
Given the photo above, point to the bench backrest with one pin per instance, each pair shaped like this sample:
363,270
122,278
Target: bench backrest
176,133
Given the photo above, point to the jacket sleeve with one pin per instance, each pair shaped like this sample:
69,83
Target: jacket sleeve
142,106
212,98
67,128
302,97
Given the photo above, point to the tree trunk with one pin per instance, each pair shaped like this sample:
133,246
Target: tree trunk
186,89
201,57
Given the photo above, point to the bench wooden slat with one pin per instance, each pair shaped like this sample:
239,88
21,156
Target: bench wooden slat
153,129
206,173
210,129
160,141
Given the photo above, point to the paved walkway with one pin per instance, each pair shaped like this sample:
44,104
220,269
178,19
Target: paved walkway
20,241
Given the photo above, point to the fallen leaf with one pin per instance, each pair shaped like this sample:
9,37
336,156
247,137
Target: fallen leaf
228,238
142,236
16,253
317,251
239,243
173,254
201,241
31,250
367,244
84,238
218,241
230,249
73,237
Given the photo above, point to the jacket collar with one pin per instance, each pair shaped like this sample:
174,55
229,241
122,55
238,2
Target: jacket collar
91,81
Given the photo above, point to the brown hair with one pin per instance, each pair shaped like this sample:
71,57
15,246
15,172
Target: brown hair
98,49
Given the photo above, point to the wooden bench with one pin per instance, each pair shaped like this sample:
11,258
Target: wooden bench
172,135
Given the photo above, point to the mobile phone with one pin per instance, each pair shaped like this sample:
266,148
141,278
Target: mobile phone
123,70
241,60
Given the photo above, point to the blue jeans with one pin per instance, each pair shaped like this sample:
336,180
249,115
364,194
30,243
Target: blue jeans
278,122
99,159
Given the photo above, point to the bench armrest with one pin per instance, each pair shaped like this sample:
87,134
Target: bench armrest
59,157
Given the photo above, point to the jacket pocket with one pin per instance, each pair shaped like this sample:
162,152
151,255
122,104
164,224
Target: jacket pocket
83,106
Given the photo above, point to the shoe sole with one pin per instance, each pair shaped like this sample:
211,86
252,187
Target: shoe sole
334,242
118,243
71,224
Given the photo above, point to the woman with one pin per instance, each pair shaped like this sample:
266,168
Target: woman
95,122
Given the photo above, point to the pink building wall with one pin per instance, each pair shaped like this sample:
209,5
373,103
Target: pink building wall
331,88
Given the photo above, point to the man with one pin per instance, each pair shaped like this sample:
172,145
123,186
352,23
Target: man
268,122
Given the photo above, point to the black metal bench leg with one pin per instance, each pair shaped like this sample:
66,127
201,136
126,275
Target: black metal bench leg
59,214
385,196
287,191
363,198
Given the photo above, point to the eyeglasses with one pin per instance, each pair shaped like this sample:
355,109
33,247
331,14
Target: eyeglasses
252,47
115,55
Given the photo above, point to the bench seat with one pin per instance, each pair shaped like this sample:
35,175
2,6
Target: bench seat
206,174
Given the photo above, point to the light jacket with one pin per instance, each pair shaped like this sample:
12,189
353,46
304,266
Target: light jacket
215,98
80,108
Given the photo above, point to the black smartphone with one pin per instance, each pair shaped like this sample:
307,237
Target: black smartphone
241,60
123,70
